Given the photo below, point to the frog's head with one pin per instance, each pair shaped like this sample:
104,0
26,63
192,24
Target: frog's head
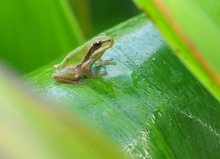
99,45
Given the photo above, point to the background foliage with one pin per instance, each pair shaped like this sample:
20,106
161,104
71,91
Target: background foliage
36,32
149,103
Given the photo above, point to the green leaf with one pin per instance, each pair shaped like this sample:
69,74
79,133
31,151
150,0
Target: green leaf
36,32
192,29
149,102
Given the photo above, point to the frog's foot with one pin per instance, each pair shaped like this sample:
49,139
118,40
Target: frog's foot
76,83
101,63
99,75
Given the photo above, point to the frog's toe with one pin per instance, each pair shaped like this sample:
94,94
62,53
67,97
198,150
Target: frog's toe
106,62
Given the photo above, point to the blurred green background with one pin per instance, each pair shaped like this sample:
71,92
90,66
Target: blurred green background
33,33
98,15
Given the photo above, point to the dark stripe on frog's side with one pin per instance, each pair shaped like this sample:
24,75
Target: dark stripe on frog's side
90,52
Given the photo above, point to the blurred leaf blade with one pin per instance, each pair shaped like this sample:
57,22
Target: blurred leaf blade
192,31
33,128
35,32
149,102
83,15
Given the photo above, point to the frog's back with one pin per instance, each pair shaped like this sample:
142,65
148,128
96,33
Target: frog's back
74,58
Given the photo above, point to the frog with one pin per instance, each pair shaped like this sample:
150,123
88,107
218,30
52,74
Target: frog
78,63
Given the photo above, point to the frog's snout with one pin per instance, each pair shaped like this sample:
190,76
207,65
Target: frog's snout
110,41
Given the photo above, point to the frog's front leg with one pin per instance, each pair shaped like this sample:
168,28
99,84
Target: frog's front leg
101,63
66,76
86,69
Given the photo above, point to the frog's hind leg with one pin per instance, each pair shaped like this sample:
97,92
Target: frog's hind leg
86,69
66,77
56,66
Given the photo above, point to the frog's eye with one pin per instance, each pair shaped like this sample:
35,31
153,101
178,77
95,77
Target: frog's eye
97,44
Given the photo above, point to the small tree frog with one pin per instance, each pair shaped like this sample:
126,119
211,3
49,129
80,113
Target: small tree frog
78,62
